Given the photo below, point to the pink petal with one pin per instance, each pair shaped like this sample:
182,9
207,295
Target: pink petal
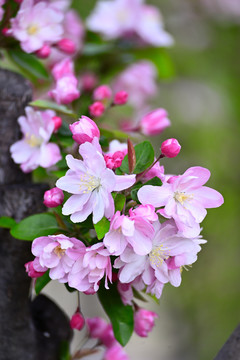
207,197
155,195
124,182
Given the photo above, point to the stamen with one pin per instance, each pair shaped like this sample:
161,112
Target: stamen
32,29
181,197
33,140
89,183
157,256
59,251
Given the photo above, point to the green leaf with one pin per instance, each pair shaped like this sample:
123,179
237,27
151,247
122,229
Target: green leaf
64,129
138,295
7,222
144,158
102,227
119,201
92,49
113,134
121,316
35,226
45,104
41,282
29,63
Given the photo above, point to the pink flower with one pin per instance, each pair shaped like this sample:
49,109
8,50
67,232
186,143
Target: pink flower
57,123
96,109
144,322
96,327
170,251
135,231
88,81
37,24
66,90
126,290
84,130
139,88
77,321
115,352
114,161
170,148
90,268
34,149
91,183
115,146
57,253
63,68
120,98
156,170
53,197
31,271
67,46
185,199
102,92
155,122
1,9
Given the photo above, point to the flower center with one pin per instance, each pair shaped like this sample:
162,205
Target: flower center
33,140
181,197
158,255
89,183
32,29
59,251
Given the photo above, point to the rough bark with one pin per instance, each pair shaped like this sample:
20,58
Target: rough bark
22,325
231,349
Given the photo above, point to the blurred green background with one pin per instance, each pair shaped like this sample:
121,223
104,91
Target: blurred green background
200,88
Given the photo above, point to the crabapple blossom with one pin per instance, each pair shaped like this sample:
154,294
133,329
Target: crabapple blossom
135,231
34,149
170,148
44,52
114,161
120,98
88,81
57,122
66,90
63,68
90,268
155,122
96,327
84,130
126,290
53,197
115,146
57,253
153,267
144,321
1,9
145,211
115,352
102,92
139,88
156,170
185,199
37,24
91,183
96,109
67,46
77,321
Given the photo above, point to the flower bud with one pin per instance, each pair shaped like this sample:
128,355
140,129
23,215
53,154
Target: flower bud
155,122
144,322
31,271
120,98
57,123
44,52
88,81
102,92
77,321
6,32
84,130
67,46
62,68
66,90
170,148
96,109
53,197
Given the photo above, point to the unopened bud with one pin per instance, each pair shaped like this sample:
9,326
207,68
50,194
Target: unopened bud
96,109
120,98
102,92
170,148
44,52
144,321
31,271
67,46
77,321
57,122
53,197
84,130
155,122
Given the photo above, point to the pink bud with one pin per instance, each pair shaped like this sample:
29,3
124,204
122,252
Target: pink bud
44,52
155,122
77,321
57,123
170,148
102,92
67,46
62,68
66,90
96,327
115,352
31,271
96,109
172,179
120,98
84,130
114,161
88,81
6,32
53,197
144,322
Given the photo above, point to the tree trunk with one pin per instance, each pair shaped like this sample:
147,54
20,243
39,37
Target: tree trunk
27,331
